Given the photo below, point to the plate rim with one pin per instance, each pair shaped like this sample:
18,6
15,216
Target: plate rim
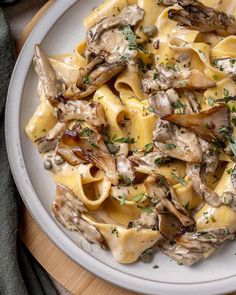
33,203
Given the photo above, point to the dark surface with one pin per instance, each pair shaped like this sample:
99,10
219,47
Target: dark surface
19,272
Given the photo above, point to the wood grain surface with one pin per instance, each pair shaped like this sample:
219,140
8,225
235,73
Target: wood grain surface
74,278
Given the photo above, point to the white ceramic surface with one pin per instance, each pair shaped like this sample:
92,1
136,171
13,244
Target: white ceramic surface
59,31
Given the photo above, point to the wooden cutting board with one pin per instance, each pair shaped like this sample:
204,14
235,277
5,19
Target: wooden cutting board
58,265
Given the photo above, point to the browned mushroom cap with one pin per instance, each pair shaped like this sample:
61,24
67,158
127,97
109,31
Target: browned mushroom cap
158,187
169,225
97,78
192,247
199,187
129,16
84,72
52,86
203,18
67,209
210,125
163,78
88,146
177,142
91,112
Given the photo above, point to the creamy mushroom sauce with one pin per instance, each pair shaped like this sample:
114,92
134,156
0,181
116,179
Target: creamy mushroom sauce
137,128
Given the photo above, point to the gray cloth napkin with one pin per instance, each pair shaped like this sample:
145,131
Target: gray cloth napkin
20,273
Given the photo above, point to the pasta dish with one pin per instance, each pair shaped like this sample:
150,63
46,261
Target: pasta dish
137,128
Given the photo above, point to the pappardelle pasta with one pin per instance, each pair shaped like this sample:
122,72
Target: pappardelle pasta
137,128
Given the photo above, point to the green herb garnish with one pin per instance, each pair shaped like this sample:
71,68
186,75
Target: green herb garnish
138,197
148,148
170,146
125,140
179,179
130,37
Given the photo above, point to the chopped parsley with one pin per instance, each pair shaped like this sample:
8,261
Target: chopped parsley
158,161
233,145
145,209
86,80
151,109
138,197
148,148
122,200
179,179
130,37
125,140
226,131
226,92
178,105
211,101
170,146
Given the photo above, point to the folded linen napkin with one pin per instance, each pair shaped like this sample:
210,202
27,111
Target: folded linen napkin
20,273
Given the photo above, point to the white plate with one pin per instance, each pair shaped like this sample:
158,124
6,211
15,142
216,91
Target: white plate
59,31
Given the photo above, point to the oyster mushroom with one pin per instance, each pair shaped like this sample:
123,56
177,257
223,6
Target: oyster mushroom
148,163
211,124
199,187
67,209
52,86
114,36
87,145
160,103
46,145
203,18
163,78
158,187
177,142
226,65
192,247
99,76
146,221
91,112
168,2
125,168
84,72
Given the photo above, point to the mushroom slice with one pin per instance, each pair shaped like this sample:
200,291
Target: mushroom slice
167,2
88,145
148,163
146,221
226,65
91,112
53,87
125,169
57,130
169,225
46,145
233,177
160,103
84,72
203,18
177,142
158,187
200,189
192,247
67,209
105,36
209,156
211,124
97,78
163,78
